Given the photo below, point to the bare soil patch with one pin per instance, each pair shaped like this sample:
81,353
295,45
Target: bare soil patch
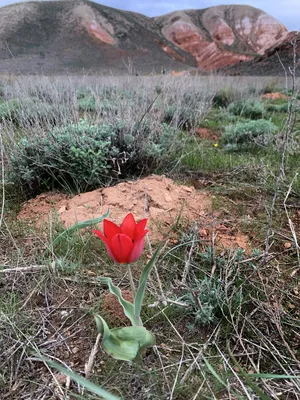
274,96
208,134
156,197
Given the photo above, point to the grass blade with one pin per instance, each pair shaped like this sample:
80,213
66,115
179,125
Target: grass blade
79,225
92,387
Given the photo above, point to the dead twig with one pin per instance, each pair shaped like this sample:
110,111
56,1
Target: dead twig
89,365
2,179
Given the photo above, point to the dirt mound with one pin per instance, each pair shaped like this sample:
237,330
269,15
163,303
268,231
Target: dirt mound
274,96
156,197
159,198
208,134
35,211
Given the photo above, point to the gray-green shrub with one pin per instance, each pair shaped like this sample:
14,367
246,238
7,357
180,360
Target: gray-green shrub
248,109
83,156
87,103
241,135
276,107
8,110
207,301
223,97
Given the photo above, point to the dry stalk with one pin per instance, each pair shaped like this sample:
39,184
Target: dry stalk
29,269
186,269
191,368
89,365
2,179
291,225
287,135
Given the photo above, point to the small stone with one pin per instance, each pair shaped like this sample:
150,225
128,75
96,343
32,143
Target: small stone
203,232
75,350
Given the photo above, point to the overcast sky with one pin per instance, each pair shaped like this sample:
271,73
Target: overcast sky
286,11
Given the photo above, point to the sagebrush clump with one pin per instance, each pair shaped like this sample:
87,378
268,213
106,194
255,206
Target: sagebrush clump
248,109
224,97
8,110
84,156
255,133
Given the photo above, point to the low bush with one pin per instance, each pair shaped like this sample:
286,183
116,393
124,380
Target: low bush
182,116
210,302
206,301
276,107
2,91
223,97
87,104
8,110
248,109
38,113
84,156
240,136
108,108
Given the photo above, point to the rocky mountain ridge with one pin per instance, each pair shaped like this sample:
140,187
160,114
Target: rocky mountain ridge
75,36
277,60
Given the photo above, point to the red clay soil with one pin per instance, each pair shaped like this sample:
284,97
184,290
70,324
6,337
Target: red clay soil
112,309
37,210
207,134
274,96
159,198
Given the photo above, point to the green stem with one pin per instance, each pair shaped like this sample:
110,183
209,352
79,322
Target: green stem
133,290
131,281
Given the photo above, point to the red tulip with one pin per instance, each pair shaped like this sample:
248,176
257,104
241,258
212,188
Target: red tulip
124,243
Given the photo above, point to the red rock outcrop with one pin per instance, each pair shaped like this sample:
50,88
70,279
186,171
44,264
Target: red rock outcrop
275,61
223,35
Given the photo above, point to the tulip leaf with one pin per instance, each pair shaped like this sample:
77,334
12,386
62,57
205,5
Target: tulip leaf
127,306
124,343
138,301
92,387
79,225
125,350
138,333
102,327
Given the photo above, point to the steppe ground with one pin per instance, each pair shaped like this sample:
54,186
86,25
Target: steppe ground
225,313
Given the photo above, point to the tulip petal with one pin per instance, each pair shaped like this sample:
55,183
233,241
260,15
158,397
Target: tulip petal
121,246
138,248
128,225
139,229
106,244
110,229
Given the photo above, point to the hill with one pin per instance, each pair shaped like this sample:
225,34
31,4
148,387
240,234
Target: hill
222,35
71,36
80,35
275,61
